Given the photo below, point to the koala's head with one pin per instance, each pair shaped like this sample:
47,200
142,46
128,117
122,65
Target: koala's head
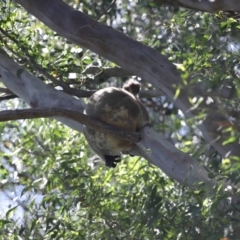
132,86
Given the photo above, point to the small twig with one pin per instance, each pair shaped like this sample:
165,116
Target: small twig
111,4
7,97
105,12
5,90
8,115
96,20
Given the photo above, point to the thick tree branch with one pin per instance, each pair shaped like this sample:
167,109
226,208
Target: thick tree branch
8,115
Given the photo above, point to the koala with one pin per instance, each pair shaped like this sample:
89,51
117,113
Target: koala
120,108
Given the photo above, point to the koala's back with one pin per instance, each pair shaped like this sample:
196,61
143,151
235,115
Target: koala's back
116,107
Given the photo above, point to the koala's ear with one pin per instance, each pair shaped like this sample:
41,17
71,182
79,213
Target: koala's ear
132,86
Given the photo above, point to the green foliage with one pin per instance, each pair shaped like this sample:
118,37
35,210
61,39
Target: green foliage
60,190
134,201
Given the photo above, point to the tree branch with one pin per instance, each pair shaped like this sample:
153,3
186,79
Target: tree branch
8,115
7,97
106,73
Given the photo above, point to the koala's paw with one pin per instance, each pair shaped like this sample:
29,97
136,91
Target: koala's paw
111,161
